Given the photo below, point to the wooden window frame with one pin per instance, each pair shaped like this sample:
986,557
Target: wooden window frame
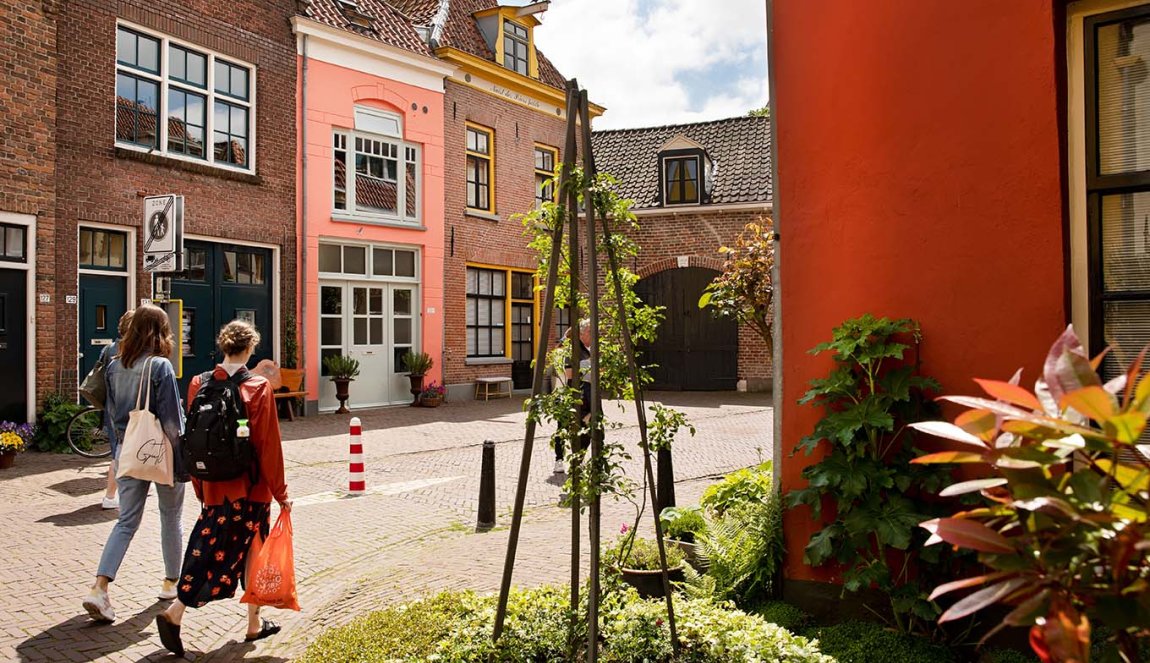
488,159
546,175
509,300
665,189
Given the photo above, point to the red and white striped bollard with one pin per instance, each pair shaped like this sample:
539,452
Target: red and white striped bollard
356,484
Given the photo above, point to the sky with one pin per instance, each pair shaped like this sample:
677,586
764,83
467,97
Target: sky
656,62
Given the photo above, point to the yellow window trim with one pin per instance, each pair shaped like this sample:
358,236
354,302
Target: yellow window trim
509,300
490,159
555,161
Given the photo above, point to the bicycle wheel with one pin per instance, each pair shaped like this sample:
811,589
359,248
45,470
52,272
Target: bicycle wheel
86,434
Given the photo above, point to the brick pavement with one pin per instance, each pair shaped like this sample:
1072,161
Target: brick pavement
352,554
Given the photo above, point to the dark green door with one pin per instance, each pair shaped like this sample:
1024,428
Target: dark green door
221,283
13,345
103,299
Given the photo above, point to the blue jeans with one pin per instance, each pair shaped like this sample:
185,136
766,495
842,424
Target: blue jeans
133,496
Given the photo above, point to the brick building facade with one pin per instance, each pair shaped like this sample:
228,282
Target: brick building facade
695,187
194,98
27,201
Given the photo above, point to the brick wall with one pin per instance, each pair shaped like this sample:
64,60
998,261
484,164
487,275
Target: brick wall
27,142
480,240
96,182
663,237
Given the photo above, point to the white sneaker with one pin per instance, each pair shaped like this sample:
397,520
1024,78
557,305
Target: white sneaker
99,606
168,590
110,503
560,467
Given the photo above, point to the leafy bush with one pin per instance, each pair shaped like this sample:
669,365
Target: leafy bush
454,627
748,485
878,495
52,423
1067,532
867,642
683,522
630,552
742,550
784,614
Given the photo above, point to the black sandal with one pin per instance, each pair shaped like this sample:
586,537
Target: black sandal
169,634
267,628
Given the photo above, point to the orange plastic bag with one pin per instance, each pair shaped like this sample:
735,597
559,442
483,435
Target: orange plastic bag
270,579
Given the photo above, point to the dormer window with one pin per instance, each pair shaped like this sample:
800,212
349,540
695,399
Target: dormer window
516,47
681,184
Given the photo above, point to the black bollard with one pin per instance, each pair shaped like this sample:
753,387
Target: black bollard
487,488
665,481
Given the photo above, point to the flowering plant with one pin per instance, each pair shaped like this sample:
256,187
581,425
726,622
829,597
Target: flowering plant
14,437
433,390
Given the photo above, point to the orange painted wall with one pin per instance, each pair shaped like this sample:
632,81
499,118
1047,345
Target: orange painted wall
919,175
333,92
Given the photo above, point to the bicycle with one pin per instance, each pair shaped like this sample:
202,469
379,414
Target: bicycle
86,434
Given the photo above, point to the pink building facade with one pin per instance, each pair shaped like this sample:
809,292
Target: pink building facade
371,219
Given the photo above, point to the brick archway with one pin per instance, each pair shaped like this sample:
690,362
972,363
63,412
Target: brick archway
672,262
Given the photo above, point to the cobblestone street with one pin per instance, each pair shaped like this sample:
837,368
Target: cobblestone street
412,534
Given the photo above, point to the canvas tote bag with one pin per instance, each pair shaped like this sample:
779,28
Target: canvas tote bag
146,453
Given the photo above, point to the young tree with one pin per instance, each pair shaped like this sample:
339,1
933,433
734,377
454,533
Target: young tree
745,290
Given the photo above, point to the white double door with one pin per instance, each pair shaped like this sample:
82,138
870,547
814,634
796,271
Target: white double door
375,324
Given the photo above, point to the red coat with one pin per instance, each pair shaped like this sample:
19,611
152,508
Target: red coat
264,423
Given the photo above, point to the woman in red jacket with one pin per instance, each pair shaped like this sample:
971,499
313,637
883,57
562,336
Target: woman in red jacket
234,511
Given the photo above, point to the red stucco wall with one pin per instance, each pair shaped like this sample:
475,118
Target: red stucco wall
919,175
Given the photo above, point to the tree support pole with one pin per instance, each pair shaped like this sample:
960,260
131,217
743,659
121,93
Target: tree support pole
537,381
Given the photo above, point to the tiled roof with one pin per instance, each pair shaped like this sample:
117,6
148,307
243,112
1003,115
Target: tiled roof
461,30
387,24
739,147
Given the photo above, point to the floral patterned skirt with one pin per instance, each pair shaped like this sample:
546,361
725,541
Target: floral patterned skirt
216,558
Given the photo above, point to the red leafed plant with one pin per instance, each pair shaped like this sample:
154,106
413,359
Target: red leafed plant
1064,532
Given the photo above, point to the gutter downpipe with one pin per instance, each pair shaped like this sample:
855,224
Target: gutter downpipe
302,319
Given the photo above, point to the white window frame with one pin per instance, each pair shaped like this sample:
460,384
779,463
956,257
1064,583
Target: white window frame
369,261
365,117
698,180
209,93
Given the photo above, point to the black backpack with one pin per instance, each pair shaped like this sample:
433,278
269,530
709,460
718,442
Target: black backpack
211,450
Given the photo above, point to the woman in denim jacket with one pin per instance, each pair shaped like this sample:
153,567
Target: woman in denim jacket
149,335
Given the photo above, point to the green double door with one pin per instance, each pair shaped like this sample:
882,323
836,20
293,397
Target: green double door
221,283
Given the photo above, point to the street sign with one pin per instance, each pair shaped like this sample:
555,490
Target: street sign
163,233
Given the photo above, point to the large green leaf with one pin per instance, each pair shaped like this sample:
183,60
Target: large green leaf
822,545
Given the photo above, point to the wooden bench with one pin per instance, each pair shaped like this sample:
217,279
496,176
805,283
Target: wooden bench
292,380
483,388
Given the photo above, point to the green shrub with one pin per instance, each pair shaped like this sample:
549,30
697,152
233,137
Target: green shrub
641,554
867,642
683,522
783,614
52,423
746,486
742,550
1006,656
455,627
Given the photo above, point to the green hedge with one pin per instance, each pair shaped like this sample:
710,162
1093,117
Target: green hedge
866,642
456,627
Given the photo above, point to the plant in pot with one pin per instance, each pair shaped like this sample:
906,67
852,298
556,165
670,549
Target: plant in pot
342,370
681,524
432,395
417,365
637,561
14,438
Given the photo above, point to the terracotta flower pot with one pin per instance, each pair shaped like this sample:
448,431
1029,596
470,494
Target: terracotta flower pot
6,459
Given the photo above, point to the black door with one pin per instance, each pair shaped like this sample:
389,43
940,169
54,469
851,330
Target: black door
13,345
694,350
221,283
103,299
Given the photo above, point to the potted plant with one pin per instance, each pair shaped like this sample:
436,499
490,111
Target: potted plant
638,563
432,395
342,370
13,439
681,524
417,365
